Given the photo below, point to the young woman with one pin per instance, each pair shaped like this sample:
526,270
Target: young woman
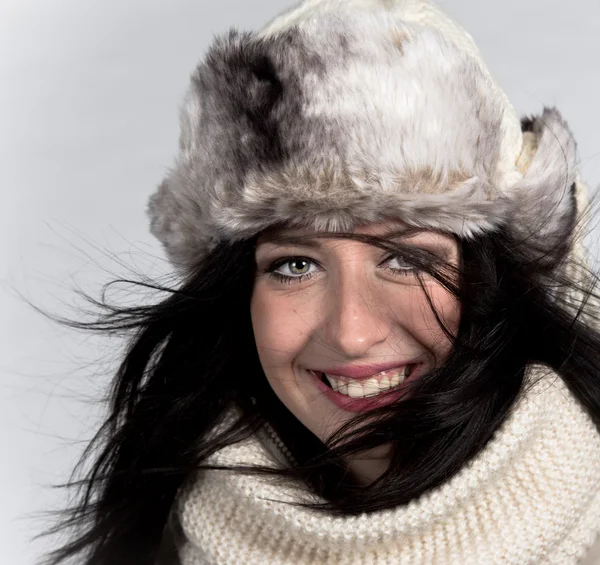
385,346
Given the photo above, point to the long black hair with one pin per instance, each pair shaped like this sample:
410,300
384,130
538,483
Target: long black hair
191,357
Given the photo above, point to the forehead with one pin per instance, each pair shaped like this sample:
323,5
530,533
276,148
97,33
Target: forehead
395,229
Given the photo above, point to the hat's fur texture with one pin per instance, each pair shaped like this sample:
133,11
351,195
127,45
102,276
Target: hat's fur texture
351,118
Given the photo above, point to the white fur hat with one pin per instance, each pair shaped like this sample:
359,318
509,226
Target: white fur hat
345,112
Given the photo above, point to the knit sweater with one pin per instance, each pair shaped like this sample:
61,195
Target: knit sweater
532,496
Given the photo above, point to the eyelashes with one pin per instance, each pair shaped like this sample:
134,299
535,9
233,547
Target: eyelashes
274,269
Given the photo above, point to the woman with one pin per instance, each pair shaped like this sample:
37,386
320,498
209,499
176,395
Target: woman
384,348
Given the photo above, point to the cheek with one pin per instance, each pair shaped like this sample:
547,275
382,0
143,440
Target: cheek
277,332
421,322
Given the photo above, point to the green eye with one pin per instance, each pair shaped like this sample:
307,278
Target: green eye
299,266
401,265
293,269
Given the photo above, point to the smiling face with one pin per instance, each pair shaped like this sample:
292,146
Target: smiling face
350,310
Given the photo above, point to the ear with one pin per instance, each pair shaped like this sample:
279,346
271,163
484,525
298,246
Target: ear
544,210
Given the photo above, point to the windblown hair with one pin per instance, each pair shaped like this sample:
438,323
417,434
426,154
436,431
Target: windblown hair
192,357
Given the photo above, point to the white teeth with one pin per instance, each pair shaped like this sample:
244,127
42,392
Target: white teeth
355,390
369,387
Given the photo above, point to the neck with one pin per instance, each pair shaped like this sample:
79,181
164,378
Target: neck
370,465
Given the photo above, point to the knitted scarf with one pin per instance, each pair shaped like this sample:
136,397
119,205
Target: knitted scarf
532,496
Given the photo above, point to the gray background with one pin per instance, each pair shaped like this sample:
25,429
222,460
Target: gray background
88,121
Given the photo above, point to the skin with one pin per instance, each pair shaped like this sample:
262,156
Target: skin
348,308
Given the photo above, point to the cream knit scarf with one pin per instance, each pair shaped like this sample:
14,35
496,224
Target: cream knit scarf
531,497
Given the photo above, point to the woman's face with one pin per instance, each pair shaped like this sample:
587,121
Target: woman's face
349,310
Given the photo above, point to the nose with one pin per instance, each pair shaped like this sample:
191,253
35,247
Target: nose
355,320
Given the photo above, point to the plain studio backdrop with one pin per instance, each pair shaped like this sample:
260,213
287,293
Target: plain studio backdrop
88,121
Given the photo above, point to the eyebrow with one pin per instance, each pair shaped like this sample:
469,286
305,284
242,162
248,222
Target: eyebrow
281,238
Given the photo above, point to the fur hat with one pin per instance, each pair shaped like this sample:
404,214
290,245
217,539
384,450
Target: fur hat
345,112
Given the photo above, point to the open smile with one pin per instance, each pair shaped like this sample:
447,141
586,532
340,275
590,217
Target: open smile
356,395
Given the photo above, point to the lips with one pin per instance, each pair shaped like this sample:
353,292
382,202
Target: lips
362,404
376,383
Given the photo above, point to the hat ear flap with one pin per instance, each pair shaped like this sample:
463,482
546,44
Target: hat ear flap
544,211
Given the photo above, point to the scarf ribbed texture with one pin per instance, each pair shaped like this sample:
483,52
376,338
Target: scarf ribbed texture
532,496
